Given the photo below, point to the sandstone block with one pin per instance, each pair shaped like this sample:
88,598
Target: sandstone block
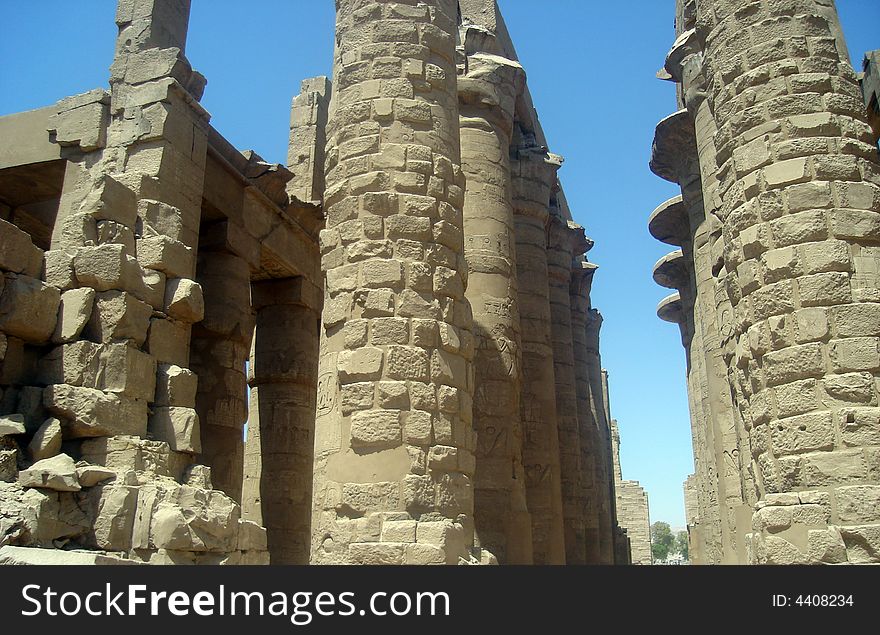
91,475
86,412
375,429
168,341
11,425
171,257
184,300
18,254
114,509
118,315
74,312
122,453
57,473
46,442
179,427
175,386
28,308
198,476
58,267
359,365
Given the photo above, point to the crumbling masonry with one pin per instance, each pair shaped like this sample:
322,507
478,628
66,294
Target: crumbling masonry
401,316
775,279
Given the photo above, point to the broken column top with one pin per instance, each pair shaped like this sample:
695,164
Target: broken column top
674,153
669,222
670,309
671,270
153,23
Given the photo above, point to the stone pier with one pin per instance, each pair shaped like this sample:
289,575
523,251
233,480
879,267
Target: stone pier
394,446
534,177
487,98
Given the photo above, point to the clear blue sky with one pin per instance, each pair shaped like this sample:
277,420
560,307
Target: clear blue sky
591,72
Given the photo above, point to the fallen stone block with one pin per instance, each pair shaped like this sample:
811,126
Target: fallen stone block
12,555
90,475
123,453
198,476
184,300
46,442
179,427
113,510
37,517
74,312
176,386
86,412
18,253
28,308
12,424
57,473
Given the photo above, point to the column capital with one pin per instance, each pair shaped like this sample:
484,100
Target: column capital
674,152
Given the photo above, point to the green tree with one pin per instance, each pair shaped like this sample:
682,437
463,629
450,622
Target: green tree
662,540
681,544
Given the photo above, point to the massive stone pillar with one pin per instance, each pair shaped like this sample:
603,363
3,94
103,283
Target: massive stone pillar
591,494
566,240
308,139
534,178
280,445
220,346
800,191
603,474
394,440
487,96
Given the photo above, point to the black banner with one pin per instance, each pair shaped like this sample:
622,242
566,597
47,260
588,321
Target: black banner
426,599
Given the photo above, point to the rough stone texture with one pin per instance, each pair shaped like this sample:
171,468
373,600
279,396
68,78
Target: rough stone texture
388,422
633,514
776,281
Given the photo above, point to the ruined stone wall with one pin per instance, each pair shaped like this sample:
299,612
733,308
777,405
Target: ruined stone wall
788,182
400,318
633,514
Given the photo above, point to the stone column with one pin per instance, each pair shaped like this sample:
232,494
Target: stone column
220,346
727,434
566,240
801,195
487,94
308,139
534,177
581,282
603,474
394,440
280,444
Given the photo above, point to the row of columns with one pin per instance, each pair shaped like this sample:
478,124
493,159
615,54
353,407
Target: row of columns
767,197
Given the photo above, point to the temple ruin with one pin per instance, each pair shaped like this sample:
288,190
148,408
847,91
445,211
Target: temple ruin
775,280
401,316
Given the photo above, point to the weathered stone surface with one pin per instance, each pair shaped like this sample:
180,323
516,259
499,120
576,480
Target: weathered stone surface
91,475
86,412
56,473
184,301
73,314
17,253
28,308
11,555
12,424
179,427
46,441
175,386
